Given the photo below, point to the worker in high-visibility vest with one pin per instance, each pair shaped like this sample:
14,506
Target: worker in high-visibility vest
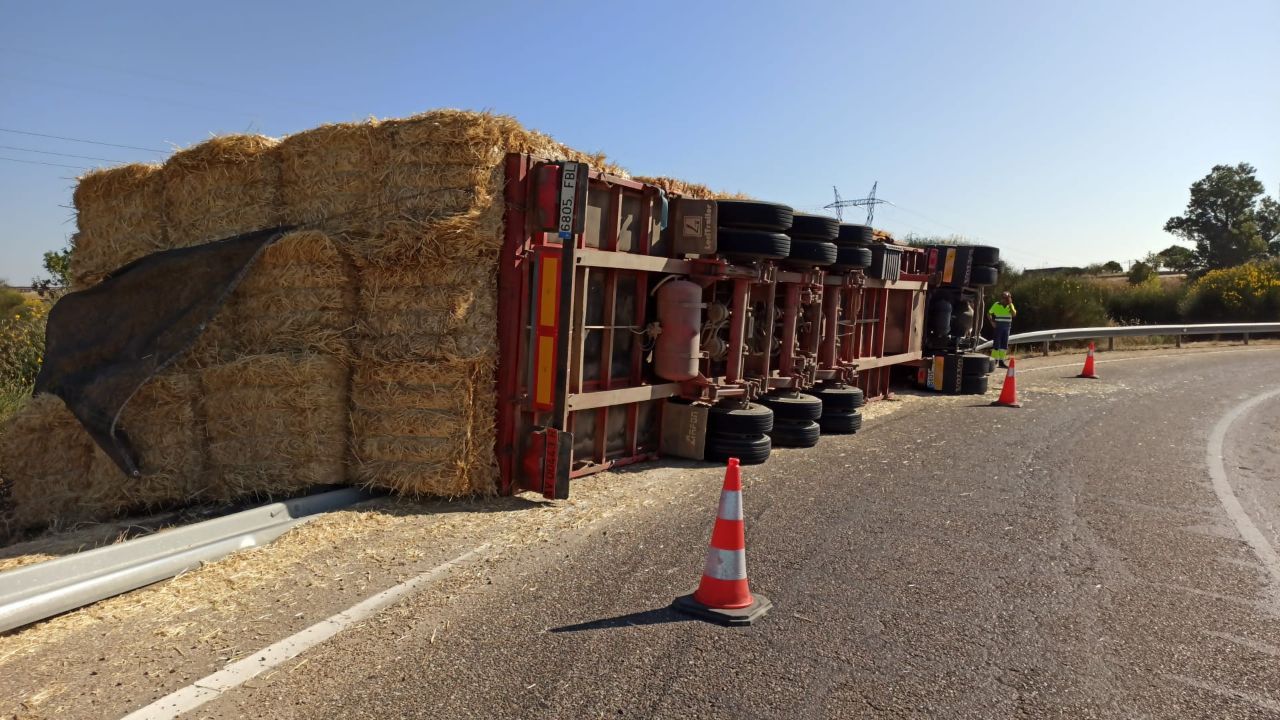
1001,315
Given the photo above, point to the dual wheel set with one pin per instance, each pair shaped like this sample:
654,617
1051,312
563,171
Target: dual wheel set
753,231
785,419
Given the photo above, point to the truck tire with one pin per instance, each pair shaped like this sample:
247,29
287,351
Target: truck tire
811,253
850,233
983,275
839,398
840,423
754,244
986,255
751,419
975,364
792,406
814,227
749,449
754,215
852,257
974,385
795,433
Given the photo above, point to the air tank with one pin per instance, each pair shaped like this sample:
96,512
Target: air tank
677,350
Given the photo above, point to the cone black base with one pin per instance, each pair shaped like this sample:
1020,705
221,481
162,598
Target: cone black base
735,616
1088,377
997,403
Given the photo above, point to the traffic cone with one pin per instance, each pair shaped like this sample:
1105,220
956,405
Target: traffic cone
1009,392
1088,366
723,595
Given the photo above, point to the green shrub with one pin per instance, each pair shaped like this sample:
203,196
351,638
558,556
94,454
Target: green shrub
21,352
1047,302
1148,303
1244,293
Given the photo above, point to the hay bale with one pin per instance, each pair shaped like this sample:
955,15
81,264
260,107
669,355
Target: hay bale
333,171
58,476
276,424
299,297
119,218
425,428
221,187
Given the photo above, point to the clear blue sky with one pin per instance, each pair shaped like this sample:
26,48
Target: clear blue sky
1065,133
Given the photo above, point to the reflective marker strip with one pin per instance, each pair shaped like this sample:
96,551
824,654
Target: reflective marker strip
730,505
726,564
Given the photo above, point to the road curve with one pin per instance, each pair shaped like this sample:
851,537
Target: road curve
1072,558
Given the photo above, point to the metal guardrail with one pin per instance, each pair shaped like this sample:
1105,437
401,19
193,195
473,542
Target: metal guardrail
45,589
1092,333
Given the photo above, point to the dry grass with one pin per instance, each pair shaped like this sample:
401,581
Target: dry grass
697,191
223,186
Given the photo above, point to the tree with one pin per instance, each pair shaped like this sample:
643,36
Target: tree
1269,223
1176,257
1112,266
1140,273
1225,218
57,263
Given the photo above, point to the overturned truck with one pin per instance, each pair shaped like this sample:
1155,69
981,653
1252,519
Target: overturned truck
452,305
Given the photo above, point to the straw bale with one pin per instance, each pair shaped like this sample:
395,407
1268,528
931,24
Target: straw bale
221,187
332,171
440,151
58,476
299,296
268,415
119,218
424,428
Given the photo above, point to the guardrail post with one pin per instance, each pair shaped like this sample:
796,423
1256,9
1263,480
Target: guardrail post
1111,343
1046,348
1246,338
1177,341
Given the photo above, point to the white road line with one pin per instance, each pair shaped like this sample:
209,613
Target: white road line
237,673
1145,357
1222,487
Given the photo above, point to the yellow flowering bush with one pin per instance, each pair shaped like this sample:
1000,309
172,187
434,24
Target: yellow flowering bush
1244,293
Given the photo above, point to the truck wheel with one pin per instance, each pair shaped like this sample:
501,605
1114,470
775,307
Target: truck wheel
754,215
792,406
795,433
850,233
975,364
839,398
985,255
811,253
754,244
814,227
852,257
840,423
983,275
974,385
751,419
750,450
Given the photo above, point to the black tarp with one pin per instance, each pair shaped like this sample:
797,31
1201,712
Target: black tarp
104,343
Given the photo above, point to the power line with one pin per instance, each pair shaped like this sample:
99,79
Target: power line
37,162
50,152
80,140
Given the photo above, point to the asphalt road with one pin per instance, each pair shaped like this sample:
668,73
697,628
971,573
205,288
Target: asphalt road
1074,558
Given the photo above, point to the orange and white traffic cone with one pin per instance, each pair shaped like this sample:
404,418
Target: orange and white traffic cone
723,595
1009,391
1088,366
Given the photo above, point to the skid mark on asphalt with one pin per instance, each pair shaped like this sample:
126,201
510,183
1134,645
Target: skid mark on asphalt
1254,645
1227,496
1217,689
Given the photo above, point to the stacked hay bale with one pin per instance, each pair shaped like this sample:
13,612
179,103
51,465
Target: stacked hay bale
361,349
